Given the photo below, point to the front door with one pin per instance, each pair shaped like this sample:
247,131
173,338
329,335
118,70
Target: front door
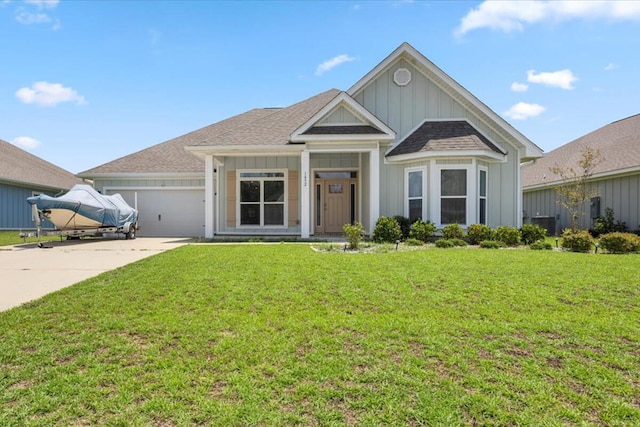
335,197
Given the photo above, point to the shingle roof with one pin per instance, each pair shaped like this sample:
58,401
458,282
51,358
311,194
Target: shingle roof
447,135
274,129
618,142
16,165
170,156
343,130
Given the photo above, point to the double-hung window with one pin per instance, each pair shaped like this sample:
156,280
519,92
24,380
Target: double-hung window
262,198
482,196
453,196
415,207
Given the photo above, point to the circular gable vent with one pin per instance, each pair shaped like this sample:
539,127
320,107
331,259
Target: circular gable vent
402,77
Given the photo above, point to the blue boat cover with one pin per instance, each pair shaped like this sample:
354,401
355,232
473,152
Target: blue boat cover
110,211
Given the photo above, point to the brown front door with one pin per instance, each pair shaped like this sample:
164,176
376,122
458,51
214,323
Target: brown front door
335,204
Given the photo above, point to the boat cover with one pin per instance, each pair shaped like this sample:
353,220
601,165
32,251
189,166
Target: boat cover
110,211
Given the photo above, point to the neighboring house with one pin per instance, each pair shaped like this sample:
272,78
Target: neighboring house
24,175
404,140
616,180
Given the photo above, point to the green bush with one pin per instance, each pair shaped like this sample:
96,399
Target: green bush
422,230
413,242
453,231
531,233
405,225
577,241
354,233
620,243
492,244
458,242
387,230
541,245
479,232
607,224
444,243
510,236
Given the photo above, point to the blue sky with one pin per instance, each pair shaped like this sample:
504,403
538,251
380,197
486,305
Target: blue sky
85,82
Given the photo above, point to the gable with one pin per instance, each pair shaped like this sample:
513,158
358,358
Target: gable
406,89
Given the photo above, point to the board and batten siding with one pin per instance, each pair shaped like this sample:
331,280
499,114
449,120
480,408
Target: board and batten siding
15,212
622,194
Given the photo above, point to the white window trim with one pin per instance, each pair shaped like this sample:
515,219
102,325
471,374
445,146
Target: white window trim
425,191
471,203
486,196
239,179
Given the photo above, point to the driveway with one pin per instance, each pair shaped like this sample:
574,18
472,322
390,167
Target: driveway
28,272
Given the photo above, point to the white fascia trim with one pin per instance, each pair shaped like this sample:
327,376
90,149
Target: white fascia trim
596,177
247,150
487,156
350,104
32,186
148,175
445,81
338,147
347,138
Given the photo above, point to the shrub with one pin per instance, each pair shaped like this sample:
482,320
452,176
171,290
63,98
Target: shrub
510,236
405,225
453,231
577,241
458,242
541,245
414,242
607,224
422,230
479,232
620,243
354,234
492,244
387,230
444,243
531,233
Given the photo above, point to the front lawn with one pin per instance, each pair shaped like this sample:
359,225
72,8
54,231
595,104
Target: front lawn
283,335
10,238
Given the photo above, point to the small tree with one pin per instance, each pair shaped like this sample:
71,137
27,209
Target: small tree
573,190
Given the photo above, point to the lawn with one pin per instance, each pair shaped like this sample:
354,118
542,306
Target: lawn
10,238
280,334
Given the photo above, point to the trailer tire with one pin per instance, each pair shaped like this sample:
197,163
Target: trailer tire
131,234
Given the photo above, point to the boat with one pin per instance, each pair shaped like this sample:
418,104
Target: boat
83,211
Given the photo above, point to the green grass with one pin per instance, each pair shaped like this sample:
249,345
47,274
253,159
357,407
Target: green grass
282,335
10,238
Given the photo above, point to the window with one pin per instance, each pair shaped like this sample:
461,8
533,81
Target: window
262,198
482,196
453,196
414,183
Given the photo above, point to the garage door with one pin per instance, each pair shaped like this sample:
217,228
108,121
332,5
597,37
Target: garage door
172,213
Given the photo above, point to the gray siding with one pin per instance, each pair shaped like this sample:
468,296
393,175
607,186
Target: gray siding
620,194
15,212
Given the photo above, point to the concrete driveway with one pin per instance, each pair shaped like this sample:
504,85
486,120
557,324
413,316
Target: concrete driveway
28,272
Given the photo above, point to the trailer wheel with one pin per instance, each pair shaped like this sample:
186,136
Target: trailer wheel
131,234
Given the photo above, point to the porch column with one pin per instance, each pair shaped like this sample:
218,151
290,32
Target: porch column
208,196
305,208
374,187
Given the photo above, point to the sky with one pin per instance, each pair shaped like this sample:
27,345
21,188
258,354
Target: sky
85,82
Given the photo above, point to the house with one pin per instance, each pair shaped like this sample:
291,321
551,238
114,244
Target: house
406,139
24,175
616,179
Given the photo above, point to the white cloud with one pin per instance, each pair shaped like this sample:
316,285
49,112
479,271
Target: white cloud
43,4
611,66
515,15
26,142
523,111
332,63
519,87
48,94
28,18
563,79
34,13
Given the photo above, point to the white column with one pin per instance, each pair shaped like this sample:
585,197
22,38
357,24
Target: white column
305,202
208,197
374,188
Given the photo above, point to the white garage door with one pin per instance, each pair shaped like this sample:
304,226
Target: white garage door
173,213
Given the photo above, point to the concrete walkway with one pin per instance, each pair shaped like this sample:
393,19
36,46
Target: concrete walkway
28,272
